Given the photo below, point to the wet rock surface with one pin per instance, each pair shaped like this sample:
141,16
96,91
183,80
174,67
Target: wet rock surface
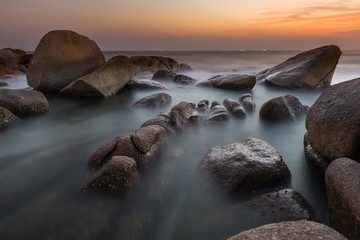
235,108
154,100
144,84
183,79
217,115
230,81
247,102
6,117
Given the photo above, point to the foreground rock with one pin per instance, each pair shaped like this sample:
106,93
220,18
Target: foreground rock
106,81
333,121
155,63
13,61
144,84
244,166
6,117
154,100
119,175
310,69
247,102
230,81
342,179
174,121
285,107
235,108
23,102
60,58
295,230
217,115
142,145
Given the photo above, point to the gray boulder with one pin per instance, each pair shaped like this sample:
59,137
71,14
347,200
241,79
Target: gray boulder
235,108
155,63
342,180
310,69
60,58
284,107
23,102
295,230
105,81
144,84
6,117
244,166
154,100
247,102
230,81
163,75
217,115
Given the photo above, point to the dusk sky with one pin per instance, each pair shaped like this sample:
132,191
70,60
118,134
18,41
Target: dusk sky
186,24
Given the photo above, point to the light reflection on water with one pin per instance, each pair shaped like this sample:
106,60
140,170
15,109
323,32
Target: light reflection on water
43,163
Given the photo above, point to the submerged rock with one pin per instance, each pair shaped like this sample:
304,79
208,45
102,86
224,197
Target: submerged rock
164,75
60,58
244,166
247,102
310,69
155,63
342,180
295,230
6,117
284,107
333,121
23,102
235,108
154,100
105,81
230,81
217,115
145,84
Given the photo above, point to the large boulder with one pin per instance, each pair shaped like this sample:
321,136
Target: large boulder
284,107
106,81
244,166
235,108
230,81
295,230
60,58
217,115
6,117
142,145
144,84
154,100
310,69
342,180
23,102
155,63
333,121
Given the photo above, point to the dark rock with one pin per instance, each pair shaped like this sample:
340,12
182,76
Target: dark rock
184,79
145,84
142,145
295,230
284,107
195,120
60,58
10,61
214,103
231,81
6,117
202,106
235,108
310,69
23,102
342,180
217,115
164,75
25,59
154,100
244,166
247,102
3,84
333,121
155,63
313,157
105,81
119,175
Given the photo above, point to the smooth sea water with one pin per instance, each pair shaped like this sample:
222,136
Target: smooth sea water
43,160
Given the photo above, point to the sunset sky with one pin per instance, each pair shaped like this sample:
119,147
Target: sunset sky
186,24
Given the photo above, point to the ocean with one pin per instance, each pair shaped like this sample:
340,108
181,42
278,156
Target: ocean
43,160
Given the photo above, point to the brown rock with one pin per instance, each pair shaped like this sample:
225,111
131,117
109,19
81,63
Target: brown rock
60,58
6,117
230,81
342,180
155,63
145,84
154,100
164,75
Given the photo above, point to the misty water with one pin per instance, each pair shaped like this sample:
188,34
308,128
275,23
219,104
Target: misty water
43,160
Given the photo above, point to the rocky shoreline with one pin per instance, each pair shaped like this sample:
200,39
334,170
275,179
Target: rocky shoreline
332,123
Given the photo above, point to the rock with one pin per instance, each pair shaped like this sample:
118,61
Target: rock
10,61
247,102
202,106
3,84
184,79
105,81
144,84
214,103
217,115
154,100
295,230
230,81
155,63
6,117
284,107
175,120
23,102
313,157
244,166
310,69
333,122
235,108
60,58
164,75
142,145
119,175
342,180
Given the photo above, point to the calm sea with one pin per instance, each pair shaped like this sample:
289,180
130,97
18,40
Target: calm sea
43,160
